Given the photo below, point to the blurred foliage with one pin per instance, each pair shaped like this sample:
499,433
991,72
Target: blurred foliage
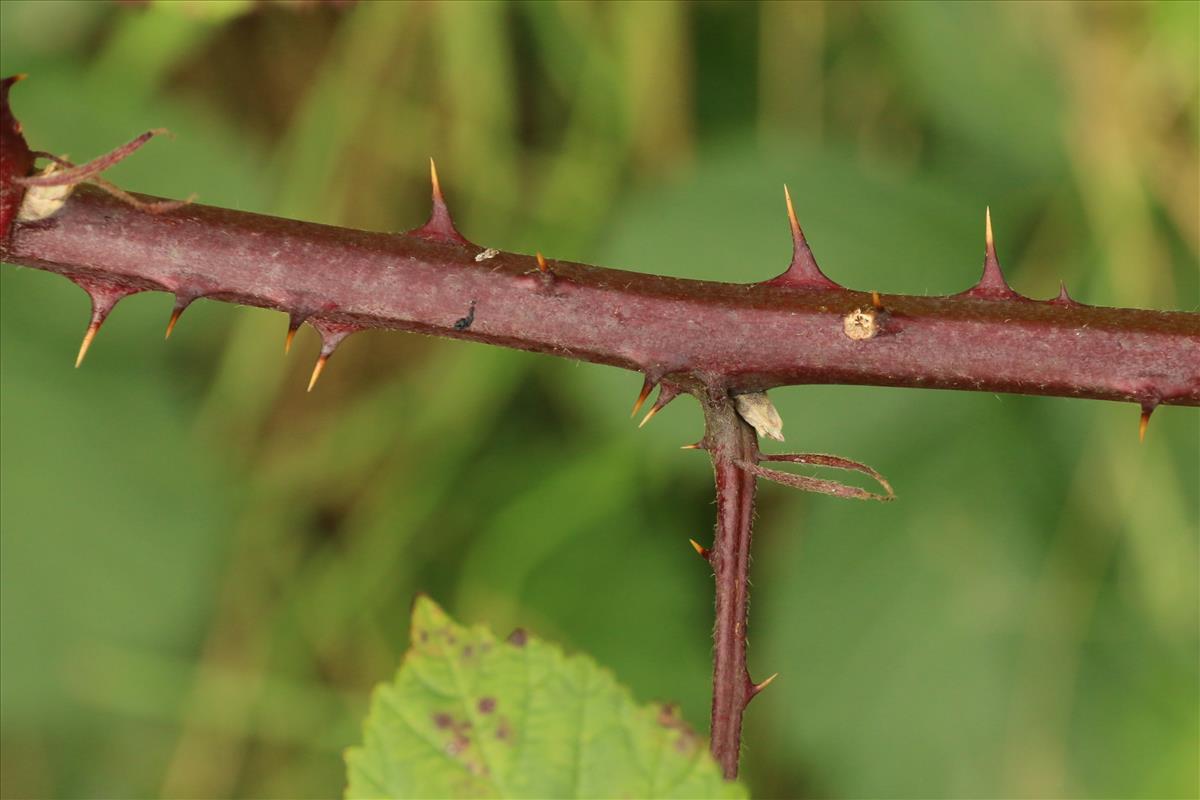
204,569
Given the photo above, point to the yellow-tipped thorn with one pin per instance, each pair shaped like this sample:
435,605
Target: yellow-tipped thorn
795,223
433,178
1143,423
647,387
87,342
987,214
693,446
175,315
758,687
542,263
876,303
700,549
287,341
649,415
316,373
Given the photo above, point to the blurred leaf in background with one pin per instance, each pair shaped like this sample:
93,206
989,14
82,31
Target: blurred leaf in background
204,569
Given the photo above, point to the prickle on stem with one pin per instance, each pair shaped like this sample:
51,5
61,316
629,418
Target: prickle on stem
758,687
1144,421
176,313
700,549
803,270
88,336
318,368
440,226
647,388
992,285
666,393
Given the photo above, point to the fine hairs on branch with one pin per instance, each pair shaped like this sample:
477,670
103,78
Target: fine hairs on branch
799,327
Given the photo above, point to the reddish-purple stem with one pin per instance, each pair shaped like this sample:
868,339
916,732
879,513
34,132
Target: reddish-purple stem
711,339
730,442
731,337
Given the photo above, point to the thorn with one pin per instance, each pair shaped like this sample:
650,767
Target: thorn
317,370
700,549
104,297
758,687
437,185
332,334
294,323
1063,299
803,271
439,226
175,315
991,285
797,234
647,387
694,446
542,266
876,303
1144,422
93,327
182,301
666,393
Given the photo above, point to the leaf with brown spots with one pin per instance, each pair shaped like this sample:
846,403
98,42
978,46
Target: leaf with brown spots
469,715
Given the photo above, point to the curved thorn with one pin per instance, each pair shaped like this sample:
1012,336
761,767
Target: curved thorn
176,313
666,393
758,687
647,387
295,320
104,298
182,301
317,370
700,549
541,261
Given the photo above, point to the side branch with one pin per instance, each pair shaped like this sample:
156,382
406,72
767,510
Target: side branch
729,337
731,443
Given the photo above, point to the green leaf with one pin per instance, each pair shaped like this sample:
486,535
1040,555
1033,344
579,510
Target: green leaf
471,716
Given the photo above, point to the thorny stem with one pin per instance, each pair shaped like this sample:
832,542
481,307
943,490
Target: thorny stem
713,340
736,337
730,441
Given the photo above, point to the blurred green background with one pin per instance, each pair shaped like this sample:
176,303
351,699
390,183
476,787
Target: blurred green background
205,570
